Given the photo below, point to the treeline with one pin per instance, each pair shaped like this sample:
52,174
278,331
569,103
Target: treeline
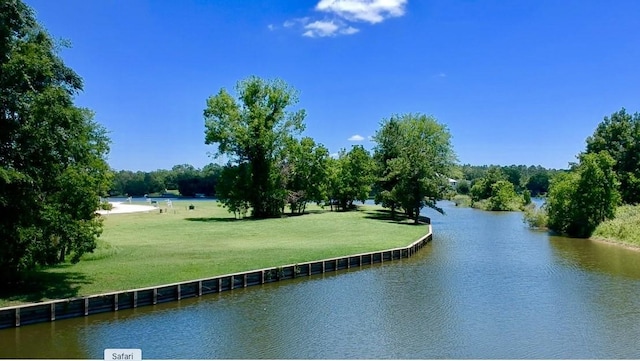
535,179
271,167
186,179
606,176
502,188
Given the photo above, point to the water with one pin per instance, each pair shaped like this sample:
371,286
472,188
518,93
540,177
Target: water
486,287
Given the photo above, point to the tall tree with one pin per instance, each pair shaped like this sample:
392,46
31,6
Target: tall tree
52,153
580,200
307,173
351,177
387,148
619,135
254,129
422,165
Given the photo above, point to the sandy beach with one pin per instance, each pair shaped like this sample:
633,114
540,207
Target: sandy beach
120,207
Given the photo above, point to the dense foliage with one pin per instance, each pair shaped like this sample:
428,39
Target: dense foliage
188,180
254,129
306,172
608,174
619,135
414,159
52,154
350,177
495,191
533,178
580,200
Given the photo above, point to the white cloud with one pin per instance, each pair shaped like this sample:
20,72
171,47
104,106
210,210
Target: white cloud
334,155
271,27
293,22
321,29
370,138
371,11
356,138
341,14
349,31
441,75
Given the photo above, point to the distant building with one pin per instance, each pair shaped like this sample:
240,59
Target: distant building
453,183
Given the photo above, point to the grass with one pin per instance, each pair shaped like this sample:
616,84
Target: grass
624,228
146,249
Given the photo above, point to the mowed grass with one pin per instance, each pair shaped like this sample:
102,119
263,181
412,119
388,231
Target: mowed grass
146,249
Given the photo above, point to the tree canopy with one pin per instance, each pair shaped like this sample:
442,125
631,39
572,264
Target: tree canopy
254,130
52,153
414,159
583,198
619,135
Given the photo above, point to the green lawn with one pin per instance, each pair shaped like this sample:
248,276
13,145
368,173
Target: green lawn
146,249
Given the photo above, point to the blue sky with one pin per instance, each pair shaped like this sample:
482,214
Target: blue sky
516,82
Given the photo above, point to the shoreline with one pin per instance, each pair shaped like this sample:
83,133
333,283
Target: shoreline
49,311
615,242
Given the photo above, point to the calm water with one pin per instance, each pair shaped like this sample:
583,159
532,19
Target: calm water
486,287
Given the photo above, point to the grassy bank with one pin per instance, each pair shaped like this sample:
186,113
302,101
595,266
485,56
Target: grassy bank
624,228
146,249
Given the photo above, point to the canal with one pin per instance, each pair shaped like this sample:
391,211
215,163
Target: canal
486,287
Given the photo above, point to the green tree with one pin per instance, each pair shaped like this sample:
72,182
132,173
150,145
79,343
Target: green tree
52,153
417,168
254,130
351,177
538,183
619,135
463,187
503,196
233,187
580,200
306,173
387,149
483,187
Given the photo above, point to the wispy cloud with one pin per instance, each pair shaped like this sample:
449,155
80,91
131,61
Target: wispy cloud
356,138
327,28
441,75
271,27
349,30
371,11
340,14
334,155
370,138
296,21
320,29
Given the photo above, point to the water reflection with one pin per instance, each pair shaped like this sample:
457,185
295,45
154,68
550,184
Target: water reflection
486,287
597,256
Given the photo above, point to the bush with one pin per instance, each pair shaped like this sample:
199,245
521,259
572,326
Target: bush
536,218
105,206
625,227
462,200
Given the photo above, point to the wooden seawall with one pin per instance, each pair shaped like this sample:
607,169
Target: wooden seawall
16,316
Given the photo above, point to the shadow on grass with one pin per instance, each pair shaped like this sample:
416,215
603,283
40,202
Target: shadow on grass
37,286
252,219
399,218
